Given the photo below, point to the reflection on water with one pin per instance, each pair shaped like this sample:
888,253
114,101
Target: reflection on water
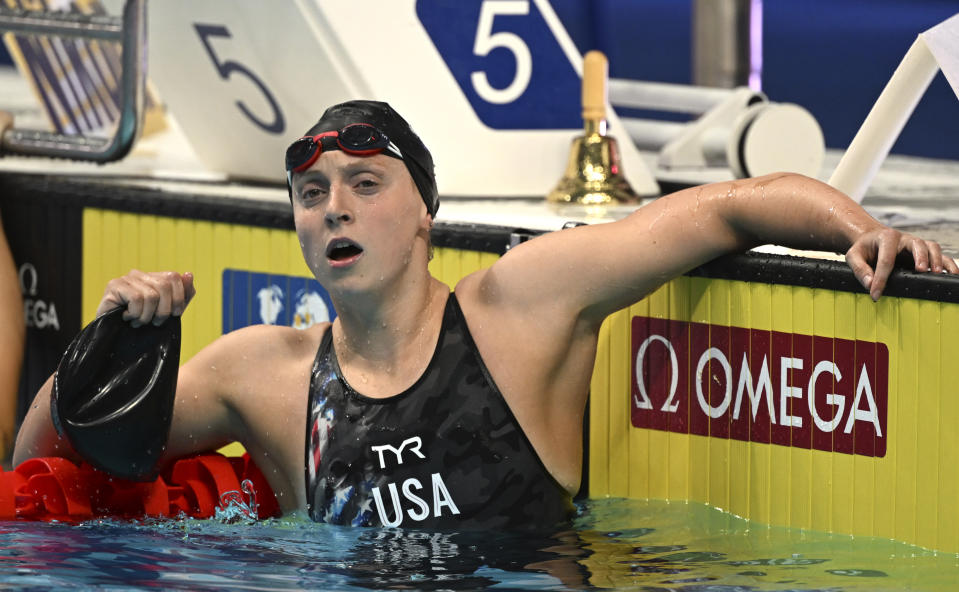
679,546
615,544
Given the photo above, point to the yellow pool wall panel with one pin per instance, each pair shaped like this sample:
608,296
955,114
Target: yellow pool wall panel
910,494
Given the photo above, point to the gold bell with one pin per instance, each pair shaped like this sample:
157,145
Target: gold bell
594,175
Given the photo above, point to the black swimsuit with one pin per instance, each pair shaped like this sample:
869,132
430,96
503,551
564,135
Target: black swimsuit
447,453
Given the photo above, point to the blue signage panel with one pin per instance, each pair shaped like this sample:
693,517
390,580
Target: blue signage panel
506,60
251,298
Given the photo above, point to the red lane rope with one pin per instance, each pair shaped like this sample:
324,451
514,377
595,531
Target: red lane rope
57,489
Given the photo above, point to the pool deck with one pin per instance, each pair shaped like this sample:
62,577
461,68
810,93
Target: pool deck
908,192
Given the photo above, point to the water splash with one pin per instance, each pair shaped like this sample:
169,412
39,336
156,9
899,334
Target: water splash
238,507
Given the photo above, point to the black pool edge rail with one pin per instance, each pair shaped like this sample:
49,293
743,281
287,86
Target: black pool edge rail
92,192
829,275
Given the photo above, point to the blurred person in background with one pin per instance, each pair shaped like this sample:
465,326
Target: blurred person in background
12,335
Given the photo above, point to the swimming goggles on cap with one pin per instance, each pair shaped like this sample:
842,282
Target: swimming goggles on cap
360,139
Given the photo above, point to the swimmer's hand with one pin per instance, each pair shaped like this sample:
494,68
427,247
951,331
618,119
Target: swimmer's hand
149,297
882,245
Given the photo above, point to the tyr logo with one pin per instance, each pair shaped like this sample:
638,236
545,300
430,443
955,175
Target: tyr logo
411,498
415,443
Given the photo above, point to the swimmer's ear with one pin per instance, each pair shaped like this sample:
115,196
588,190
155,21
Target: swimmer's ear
113,394
426,219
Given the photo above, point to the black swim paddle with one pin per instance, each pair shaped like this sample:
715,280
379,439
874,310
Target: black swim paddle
113,394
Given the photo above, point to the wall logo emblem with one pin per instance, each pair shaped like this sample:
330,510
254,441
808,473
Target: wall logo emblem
796,390
38,313
251,298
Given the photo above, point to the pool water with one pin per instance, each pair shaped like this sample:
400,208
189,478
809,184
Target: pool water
615,544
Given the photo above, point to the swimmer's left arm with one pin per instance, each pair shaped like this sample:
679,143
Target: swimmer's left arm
804,213
592,271
535,314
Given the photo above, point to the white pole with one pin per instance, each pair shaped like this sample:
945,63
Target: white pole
885,121
650,134
666,96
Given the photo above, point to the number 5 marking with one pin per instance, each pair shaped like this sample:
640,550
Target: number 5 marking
487,41
227,68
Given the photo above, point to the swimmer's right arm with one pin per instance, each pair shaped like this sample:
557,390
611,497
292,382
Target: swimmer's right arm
37,437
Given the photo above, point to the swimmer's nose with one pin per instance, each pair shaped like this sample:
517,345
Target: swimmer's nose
338,217
338,210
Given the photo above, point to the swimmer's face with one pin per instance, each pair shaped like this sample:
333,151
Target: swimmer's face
360,220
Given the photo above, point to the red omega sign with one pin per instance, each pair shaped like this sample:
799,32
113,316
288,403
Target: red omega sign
790,389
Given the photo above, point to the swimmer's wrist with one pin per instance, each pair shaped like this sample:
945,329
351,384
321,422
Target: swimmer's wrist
854,229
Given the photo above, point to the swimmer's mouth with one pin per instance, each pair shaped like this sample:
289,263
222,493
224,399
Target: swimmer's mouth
342,249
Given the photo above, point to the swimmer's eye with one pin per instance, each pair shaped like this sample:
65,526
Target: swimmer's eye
310,194
366,185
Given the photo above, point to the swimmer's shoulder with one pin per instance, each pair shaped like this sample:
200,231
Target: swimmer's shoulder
484,291
256,345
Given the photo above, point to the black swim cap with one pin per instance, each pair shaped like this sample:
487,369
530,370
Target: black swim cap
418,160
113,394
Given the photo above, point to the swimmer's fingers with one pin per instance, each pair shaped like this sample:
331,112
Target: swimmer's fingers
118,294
148,297
880,246
858,257
887,247
928,256
949,265
145,299
922,256
176,290
168,290
189,290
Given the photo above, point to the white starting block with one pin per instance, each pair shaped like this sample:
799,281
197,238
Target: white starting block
738,129
492,86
